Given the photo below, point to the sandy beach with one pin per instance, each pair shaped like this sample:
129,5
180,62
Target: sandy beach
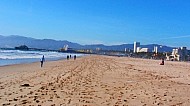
96,81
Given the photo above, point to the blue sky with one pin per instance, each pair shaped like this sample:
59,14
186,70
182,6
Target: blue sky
108,22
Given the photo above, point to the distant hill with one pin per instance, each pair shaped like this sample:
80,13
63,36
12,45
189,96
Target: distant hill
113,47
15,40
130,46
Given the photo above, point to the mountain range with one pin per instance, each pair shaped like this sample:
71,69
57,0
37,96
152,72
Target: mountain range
50,44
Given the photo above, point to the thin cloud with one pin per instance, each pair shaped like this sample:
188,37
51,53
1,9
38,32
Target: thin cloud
177,37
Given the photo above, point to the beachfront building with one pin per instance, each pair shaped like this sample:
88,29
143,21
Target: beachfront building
128,50
136,45
178,54
125,50
98,49
155,49
138,49
145,50
184,53
85,50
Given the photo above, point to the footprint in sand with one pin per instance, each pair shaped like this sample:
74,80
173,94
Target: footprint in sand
15,99
24,101
5,104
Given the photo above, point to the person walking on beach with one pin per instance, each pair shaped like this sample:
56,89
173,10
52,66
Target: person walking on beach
42,60
67,57
75,57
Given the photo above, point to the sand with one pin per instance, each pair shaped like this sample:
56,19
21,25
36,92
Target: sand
96,81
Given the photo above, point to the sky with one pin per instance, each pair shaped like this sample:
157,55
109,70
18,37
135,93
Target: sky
109,22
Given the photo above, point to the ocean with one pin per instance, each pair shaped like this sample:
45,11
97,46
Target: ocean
9,57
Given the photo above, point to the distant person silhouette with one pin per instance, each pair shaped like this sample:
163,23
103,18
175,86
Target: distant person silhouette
42,60
67,57
162,63
75,57
70,56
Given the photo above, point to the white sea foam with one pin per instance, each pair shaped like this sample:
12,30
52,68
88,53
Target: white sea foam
18,54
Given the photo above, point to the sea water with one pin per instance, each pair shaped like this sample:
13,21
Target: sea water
8,57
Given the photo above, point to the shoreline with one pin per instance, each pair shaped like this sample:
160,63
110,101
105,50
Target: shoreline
96,80
9,57
33,60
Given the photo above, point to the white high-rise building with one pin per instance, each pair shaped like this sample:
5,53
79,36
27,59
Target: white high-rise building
155,49
136,44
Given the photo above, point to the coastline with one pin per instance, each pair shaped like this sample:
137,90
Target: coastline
96,80
28,61
9,57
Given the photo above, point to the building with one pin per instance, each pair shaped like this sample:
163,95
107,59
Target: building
144,50
136,44
125,50
98,49
155,49
178,54
139,49
184,53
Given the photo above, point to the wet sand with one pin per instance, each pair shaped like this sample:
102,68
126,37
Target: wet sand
96,81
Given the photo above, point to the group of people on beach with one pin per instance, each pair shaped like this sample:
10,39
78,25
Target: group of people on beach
69,57
42,60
